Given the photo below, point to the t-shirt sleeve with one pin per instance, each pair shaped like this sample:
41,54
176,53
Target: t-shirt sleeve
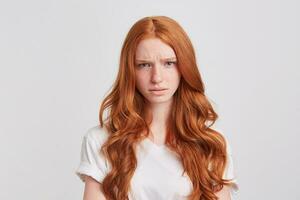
92,162
229,172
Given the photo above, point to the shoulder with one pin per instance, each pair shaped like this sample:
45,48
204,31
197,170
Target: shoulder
96,134
93,162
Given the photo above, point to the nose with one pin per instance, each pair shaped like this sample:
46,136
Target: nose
156,76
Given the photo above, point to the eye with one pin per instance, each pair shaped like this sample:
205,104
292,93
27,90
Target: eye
170,63
143,64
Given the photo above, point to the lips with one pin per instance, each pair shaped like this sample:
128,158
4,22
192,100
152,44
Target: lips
158,89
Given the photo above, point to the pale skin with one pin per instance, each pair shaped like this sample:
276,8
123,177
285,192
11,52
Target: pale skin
155,68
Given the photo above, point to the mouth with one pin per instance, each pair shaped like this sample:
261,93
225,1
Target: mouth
158,89
158,92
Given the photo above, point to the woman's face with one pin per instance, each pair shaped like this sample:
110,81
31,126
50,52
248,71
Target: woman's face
157,75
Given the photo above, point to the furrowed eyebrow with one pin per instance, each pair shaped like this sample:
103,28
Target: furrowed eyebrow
164,59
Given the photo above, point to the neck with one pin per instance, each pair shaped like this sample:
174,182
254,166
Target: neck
160,113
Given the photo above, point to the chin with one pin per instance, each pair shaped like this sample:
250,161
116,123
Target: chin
159,99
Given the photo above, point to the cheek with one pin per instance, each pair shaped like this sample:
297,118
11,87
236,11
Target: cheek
141,80
174,77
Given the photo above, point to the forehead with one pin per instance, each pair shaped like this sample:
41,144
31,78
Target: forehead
153,48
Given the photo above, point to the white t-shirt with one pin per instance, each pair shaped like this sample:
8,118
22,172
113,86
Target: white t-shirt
159,171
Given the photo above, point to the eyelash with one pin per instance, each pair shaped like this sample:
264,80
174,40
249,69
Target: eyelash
141,64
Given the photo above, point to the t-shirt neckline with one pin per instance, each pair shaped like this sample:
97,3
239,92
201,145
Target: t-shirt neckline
157,146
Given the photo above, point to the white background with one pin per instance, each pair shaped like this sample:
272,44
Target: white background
59,58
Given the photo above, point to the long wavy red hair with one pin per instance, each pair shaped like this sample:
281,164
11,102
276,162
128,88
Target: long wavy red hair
201,149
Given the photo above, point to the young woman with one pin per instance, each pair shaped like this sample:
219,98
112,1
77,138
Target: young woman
156,142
